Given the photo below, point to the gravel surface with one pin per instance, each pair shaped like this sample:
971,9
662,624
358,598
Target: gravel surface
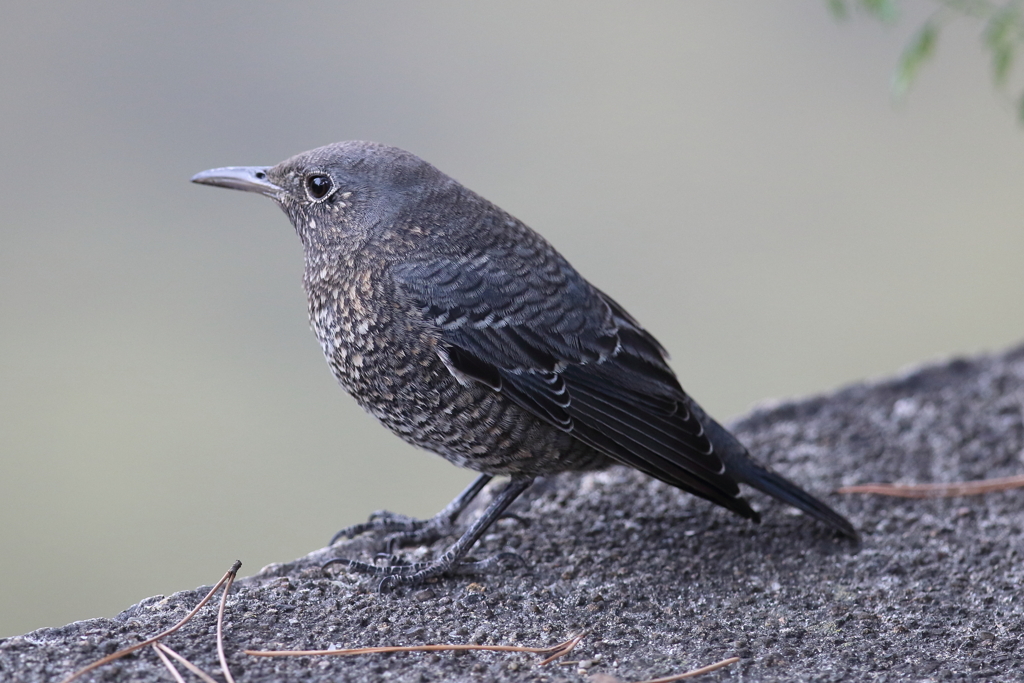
665,582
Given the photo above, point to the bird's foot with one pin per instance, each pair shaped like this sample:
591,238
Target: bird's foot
396,572
404,530
401,530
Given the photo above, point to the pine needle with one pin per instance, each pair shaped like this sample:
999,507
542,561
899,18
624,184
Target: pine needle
695,672
228,576
554,652
952,490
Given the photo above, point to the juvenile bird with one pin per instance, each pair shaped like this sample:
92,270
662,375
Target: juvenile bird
467,334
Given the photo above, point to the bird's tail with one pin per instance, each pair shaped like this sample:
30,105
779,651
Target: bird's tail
788,492
743,468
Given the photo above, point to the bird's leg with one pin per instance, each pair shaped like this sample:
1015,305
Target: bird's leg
411,574
405,530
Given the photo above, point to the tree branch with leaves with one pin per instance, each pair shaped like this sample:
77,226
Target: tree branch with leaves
1002,35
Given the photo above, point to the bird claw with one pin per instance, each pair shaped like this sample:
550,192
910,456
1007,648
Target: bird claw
398,573
383,520
433,569
389,559
394,566
405,530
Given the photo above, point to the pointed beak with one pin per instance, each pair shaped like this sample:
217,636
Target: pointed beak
246,178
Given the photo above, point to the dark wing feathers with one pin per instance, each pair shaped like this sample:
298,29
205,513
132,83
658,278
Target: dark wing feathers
474,368
545,395
570,355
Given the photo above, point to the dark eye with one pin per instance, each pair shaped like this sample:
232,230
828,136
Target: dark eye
318,186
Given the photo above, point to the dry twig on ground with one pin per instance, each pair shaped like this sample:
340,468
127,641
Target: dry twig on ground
162,649
951,490
554,652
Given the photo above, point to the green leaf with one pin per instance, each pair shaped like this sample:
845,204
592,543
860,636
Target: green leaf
1002,60
1000,27
838,9
920,49
1002,33
884,10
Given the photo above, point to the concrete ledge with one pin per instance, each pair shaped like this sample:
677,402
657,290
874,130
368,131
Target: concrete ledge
667,582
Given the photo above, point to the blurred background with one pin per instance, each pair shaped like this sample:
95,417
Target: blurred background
734,173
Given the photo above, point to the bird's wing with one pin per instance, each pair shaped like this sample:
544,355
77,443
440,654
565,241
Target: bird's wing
527,325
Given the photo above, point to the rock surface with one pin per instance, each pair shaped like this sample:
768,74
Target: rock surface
666,582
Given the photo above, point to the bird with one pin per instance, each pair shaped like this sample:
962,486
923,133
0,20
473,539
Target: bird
467,334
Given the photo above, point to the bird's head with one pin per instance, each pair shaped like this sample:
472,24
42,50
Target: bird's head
341,192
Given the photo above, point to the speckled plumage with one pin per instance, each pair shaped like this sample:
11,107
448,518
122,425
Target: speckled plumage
467,334
392,365
388,355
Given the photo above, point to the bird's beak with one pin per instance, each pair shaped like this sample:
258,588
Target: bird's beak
247,178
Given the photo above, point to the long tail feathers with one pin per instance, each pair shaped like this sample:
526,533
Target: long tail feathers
790,493
739,463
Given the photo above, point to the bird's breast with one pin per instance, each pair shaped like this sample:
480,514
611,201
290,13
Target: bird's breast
374,350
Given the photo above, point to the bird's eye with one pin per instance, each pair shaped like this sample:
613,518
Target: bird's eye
318,186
